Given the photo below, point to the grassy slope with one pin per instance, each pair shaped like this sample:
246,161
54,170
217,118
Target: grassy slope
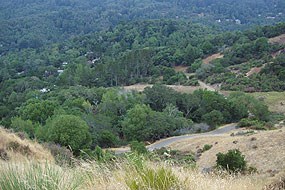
33,172
278,39
266,152
274,100
19,150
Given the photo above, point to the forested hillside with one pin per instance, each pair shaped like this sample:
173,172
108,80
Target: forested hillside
34,23
64,63
62,84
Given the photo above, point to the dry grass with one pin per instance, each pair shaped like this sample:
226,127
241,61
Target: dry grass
178,88
93,176
197,181
33,173
278,39
21,150
263,150
274,100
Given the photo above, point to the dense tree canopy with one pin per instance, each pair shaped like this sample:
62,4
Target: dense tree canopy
70,131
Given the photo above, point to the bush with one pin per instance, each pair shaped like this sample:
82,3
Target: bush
138,147
101,156
62,155
174,157
207,147
20,125
70,131
142,177
17,147
4,155
253,124
246,123
213,118
232,161
107,139
148,178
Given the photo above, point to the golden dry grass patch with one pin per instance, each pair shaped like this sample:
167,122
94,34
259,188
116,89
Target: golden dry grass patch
278,39
89,176
178,88
263,150
34,150
274,100
198,181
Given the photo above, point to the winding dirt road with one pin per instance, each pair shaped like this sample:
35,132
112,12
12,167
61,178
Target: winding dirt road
168,141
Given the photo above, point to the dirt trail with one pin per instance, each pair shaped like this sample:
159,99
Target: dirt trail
255,70
206,86
210,58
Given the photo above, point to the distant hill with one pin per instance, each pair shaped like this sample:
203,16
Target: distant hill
33,23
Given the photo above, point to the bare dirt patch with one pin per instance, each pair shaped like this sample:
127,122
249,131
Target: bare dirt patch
181,68
209,59
254,70
278,39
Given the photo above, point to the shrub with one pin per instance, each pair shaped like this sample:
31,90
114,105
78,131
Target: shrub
253,124
246,123
61,154
101,156
148,178
174,157
70,131
233,161
107,139
138,147
27,126
207,147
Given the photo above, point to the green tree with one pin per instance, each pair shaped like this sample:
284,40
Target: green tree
159,96
135,122
192,53
27,126
254,106
213,118
196,65
107,139
70,131
38,110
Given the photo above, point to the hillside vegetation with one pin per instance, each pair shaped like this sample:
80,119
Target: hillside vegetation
81,77
70,94
40,22
37,170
